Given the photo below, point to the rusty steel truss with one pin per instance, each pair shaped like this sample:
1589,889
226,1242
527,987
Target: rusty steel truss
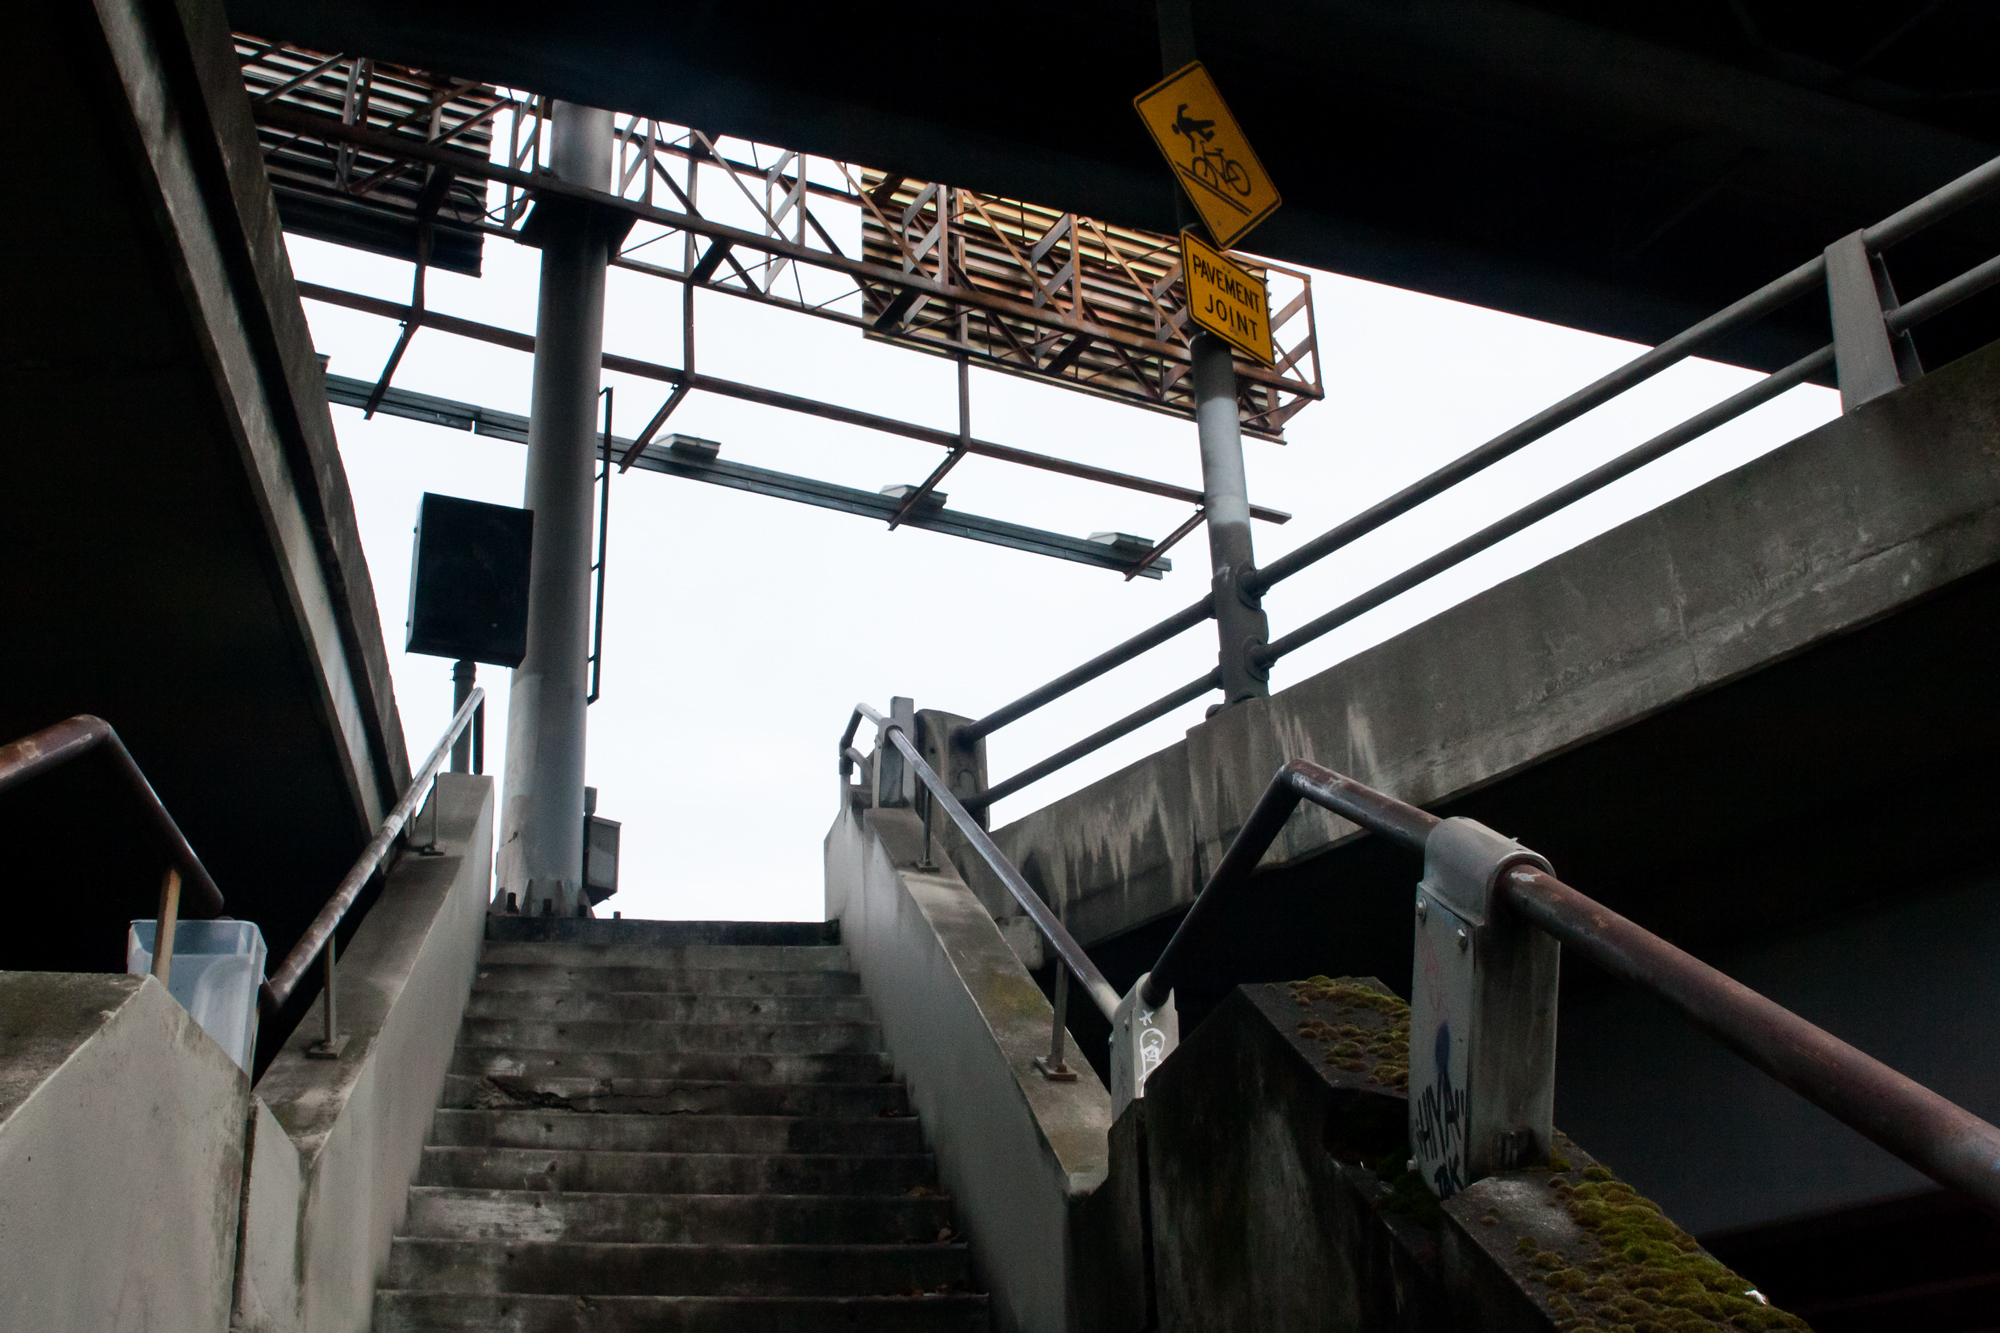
1008,285
1124,284
367,197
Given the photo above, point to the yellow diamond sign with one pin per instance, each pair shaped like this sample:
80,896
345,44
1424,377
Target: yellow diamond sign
1209,155
1226,299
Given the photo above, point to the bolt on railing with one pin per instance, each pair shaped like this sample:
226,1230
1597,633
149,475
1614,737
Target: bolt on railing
318,940
1070,959
1870,354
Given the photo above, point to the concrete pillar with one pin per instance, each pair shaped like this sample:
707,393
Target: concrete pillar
541,847
1240,623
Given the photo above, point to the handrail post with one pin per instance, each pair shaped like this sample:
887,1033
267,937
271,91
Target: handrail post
1482,1015
1055,1065
334,1041
165,925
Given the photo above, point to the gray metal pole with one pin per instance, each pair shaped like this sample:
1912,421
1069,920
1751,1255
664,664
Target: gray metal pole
1240,624
463,673
541,836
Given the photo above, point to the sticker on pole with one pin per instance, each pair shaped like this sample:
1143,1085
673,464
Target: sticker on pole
1226,299
1209,155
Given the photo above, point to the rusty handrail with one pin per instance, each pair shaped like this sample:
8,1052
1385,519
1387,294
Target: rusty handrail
73,738
1936,1136
319,935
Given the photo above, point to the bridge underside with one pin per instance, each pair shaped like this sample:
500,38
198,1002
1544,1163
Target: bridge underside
178,553
1625,168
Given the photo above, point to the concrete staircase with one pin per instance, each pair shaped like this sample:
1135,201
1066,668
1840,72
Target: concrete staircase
674,1126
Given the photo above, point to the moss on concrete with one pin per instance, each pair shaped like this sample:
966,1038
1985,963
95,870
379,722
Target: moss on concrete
1370,1037
1635,1271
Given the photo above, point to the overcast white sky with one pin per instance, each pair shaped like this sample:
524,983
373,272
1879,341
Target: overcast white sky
740,630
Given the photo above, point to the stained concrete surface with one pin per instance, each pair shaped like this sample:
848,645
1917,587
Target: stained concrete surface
337,1142
121,1133
964,1022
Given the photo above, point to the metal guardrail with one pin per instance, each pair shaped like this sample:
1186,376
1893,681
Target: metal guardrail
1491,917
1870,350
1070,957
318,940
72,739
1485,889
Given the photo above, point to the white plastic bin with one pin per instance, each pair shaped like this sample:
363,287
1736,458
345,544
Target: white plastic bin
218,966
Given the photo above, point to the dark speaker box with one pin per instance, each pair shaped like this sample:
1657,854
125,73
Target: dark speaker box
469,581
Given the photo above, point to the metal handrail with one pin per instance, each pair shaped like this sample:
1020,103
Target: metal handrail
1069,953
75,737
1936,1136
318,937
1794,285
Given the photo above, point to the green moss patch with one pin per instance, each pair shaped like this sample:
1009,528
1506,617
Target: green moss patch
1638,1272
1370,1037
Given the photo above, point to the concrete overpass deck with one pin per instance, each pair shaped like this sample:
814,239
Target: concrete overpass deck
178,550
1758,721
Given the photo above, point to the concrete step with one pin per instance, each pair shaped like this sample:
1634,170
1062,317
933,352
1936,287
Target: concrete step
427,1312
659,934
676,1173
675,1133
498,977
748,957
678,1219
614,1269
722,1066
659,1096
758,1036
684,1007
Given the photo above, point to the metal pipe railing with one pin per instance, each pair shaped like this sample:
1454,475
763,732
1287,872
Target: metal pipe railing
72,739
1763,391
318,939
1800,282
1069,954
1944,1141
1145,641
1102,737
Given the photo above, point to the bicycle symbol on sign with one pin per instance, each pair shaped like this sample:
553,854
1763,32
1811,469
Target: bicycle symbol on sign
1210,166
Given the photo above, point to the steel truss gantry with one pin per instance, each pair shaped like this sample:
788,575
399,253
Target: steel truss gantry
398,160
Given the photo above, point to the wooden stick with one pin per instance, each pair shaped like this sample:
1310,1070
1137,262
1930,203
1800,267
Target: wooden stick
170,917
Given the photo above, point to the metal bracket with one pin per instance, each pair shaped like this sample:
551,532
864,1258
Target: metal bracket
1142,1036
1868,360
896,781
1482,1015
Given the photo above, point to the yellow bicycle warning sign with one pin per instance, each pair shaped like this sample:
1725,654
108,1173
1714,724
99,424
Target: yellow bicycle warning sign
1209,154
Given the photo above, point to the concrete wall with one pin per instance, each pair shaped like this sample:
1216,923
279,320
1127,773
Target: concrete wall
964,1021
1841,527
336,1143
121,1129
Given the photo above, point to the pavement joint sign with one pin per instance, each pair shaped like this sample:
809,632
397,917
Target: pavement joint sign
1210,156
1226,299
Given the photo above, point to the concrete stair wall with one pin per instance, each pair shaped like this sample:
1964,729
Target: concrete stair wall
674,1126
